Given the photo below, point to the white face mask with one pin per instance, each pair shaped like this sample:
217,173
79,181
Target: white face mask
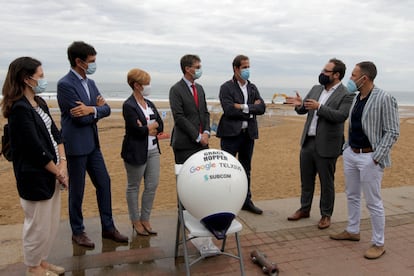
146,91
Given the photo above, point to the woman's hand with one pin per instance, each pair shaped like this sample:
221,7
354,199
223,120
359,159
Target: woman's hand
152,129
62,175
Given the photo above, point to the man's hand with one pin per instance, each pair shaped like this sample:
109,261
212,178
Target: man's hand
81,110
311,104
204,139
238,106
100,101
295,100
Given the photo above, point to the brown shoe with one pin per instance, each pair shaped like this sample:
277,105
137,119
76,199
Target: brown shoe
39,271
115,236
83,240
325,222
56,269
345,236
374,252
298,215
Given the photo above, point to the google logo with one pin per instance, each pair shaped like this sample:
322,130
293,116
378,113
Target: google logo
206,167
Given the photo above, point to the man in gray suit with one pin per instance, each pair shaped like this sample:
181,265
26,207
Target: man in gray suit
327,106
191,130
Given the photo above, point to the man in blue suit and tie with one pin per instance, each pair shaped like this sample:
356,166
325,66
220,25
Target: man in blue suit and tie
81,107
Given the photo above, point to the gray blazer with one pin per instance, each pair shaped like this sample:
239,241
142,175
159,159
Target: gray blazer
331,117
381,124
187,117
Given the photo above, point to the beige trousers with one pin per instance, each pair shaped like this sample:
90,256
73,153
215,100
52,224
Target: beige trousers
41,223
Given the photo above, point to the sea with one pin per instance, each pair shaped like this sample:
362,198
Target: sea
121,91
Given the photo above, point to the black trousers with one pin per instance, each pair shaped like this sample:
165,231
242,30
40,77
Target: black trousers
181,155
311,163
241,146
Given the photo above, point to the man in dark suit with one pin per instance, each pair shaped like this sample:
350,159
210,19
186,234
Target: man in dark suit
327,106
191,130
81,107
241,103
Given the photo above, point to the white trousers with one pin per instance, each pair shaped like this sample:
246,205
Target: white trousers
41,223
361,173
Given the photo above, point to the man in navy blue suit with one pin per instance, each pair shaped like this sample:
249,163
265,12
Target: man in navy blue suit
81,107
241,103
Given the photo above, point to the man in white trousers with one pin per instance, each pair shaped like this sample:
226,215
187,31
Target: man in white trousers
373,129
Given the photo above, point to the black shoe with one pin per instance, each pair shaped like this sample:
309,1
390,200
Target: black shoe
249,206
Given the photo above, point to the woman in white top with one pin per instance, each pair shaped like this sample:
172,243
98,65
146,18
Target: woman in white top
140,150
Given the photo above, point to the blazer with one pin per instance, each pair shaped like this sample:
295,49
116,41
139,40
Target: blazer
187,117
79,133
380,123
331,117
230,123
135,143
32,150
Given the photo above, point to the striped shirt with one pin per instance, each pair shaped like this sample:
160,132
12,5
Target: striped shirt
48,123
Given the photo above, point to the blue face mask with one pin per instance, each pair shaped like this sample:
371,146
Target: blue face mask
352,86
245,73
41,86
197,73
91,68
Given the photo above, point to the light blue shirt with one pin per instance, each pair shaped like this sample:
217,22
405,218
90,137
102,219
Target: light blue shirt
84,82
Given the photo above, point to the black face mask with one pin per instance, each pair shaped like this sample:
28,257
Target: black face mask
324,79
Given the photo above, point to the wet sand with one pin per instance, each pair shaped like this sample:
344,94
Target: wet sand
275,165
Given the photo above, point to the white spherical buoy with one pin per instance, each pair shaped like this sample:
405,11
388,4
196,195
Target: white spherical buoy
212,186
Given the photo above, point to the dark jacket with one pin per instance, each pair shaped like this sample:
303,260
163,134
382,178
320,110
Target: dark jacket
187,117
32,150
80,133
135,143
231,121
331,118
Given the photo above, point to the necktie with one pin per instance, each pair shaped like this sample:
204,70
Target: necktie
195,95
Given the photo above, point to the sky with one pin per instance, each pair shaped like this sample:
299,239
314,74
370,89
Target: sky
288,42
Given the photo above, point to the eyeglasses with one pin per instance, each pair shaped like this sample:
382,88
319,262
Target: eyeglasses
326,71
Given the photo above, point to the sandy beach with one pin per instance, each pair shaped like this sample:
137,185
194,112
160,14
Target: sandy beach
275,165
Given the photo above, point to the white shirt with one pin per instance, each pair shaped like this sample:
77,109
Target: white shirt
322,100
147,113
189,84
245,106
